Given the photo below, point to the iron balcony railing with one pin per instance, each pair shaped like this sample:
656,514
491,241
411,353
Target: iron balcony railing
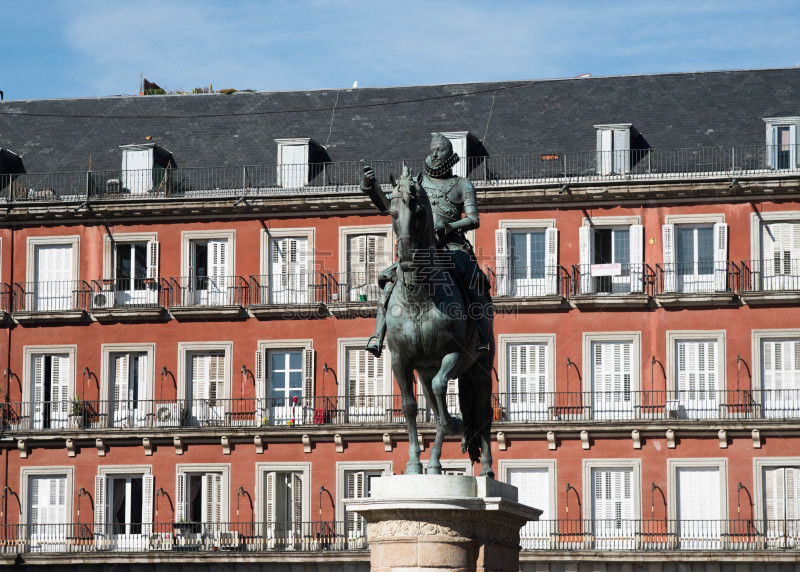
529,282
288,288
182,537
128,293
613,279
353,287
208,291
779,274
546,166
654,535
51,296
694,404
706,277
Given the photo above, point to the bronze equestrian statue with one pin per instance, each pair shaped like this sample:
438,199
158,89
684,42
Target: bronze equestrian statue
435,306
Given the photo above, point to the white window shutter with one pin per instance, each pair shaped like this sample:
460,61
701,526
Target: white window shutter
622,151
216,500
60,386
269,501
586,248
259,374
218,270
147,504
637,257
121,378
297,499
308,374
772,146
180,497
503,268
793,146
720,256
551,260
37,486
770,247
153,254
100,510
38,391
668,248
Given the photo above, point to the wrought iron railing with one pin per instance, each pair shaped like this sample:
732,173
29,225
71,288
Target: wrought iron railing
778,274
51,296
529,282
208,291
354,287
705,277
182,537
613,279
345,176
128,293
288,288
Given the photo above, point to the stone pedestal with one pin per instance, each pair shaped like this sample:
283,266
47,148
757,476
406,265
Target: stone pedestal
442,522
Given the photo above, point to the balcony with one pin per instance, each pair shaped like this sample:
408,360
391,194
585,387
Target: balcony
353,293
704,283
185,537
616,285
544,167
775,281
59,300
288,295
206,297
129,299
529,287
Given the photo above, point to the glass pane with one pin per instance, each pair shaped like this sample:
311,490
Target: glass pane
136,505
278,380
705,250
295,380
622,247
140,265
295,360
123,262
685,246
278,360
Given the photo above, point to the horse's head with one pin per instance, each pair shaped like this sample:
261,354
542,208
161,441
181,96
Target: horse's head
412,220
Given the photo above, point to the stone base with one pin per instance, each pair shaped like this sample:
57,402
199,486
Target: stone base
442,522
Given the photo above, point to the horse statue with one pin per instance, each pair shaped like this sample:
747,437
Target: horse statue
429,332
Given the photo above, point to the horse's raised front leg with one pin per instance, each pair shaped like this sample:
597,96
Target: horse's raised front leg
451,425
404,374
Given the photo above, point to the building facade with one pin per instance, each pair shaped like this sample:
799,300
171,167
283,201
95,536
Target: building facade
188,282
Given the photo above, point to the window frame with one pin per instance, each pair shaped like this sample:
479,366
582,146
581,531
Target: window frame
674,464
304,142
186,348
674,336
346,232
189,236
283,467
345,344
345,467
771,125
587,472
267,235
759,464
506,465
504,341
614,169
25,473
106,370
28,369
35,241
195,468
106,471
590,338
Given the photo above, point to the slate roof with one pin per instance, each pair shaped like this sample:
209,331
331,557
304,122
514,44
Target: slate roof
705,109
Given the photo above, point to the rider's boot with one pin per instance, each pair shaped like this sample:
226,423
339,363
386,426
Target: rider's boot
375,342
482,320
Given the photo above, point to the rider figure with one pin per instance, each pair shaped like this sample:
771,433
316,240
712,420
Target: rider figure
455,211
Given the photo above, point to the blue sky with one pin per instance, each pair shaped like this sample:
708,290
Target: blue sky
90,48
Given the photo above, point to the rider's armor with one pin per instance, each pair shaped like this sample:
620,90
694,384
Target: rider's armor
455,211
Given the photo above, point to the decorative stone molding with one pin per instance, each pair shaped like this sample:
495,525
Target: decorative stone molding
636,438
258,441
723,438
101,447
501,441
306,443
387,443
339,442
23,448
70,444
225,441
756,435
421,442
551,440
147,444
670,438
178,445
585,440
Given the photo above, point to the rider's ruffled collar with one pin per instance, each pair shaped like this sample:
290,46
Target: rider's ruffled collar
442,169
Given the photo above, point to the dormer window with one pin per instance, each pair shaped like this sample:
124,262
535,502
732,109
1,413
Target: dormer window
613,148
459,141
293,162
782,142
145,169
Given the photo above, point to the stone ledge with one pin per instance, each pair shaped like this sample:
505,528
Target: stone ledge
678,300
770,298
353,309
508,304
52,317
189,313
287,311
606,301
137,314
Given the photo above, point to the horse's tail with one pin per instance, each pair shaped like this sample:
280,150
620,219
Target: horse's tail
474,396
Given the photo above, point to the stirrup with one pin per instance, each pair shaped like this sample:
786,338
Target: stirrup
374,345
483,347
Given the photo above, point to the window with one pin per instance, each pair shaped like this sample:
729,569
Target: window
289,279
611,255
782,505
696,366
284,508
52,274
698,501
613,149
357,483
612,366
50,372
201,494
285,388
47,512
613,508
128,397
527,377
782,142
695,257
208,269
293,162
527,260
535,482
145,168
123,499
780,257
364,252
780,377
367,382
204,374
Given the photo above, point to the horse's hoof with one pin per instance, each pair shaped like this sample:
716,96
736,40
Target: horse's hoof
434,469
413,468
487,473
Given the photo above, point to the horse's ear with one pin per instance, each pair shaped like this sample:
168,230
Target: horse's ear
406,173
419,178
392,181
